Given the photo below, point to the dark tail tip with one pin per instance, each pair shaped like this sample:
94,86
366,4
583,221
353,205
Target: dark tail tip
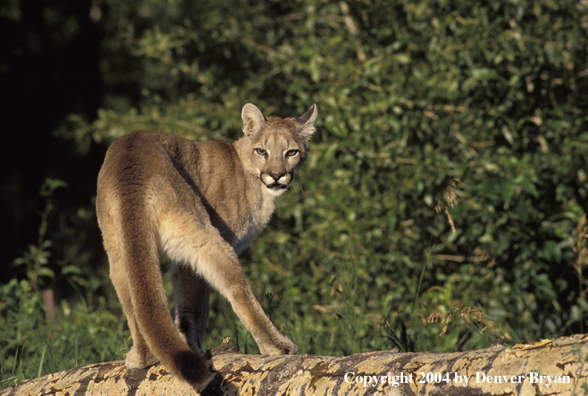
192,366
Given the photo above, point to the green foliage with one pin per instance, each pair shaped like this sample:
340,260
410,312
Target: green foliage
577,353
33,343
35,259
411,96
37,338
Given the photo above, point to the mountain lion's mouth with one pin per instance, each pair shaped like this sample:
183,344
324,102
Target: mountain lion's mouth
276,186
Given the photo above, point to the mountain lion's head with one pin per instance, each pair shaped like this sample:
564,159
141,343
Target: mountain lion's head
274,148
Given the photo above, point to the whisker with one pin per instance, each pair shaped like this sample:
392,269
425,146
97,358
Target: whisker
296,187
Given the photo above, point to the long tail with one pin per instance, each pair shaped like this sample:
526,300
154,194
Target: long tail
150,304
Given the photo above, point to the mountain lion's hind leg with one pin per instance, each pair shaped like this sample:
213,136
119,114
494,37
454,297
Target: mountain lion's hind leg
140,356
191,293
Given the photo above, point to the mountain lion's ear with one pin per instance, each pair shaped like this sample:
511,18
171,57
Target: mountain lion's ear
307,121
252,118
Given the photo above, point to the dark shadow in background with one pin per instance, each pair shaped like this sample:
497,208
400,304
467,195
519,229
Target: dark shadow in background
44,76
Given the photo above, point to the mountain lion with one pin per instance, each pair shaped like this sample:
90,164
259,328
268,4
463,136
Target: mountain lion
201,203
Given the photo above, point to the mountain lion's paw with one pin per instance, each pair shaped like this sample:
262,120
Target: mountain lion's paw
283,346
135,360
292,349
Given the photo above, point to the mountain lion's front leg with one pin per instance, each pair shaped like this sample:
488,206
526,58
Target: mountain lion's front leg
268,338
225,274
213,259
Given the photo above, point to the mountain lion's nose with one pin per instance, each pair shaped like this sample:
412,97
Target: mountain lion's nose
276,175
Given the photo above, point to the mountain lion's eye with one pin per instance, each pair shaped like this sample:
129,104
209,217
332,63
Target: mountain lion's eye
291,153
260,151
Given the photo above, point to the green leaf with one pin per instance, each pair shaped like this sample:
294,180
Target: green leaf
71,269
527,185
507,191
485,74
44,271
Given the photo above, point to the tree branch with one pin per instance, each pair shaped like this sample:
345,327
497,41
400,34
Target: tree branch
549,367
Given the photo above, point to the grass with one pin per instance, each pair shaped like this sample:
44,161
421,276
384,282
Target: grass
34,346
581,251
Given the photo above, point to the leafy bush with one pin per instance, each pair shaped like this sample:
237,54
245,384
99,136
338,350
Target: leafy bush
412,95
36,337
